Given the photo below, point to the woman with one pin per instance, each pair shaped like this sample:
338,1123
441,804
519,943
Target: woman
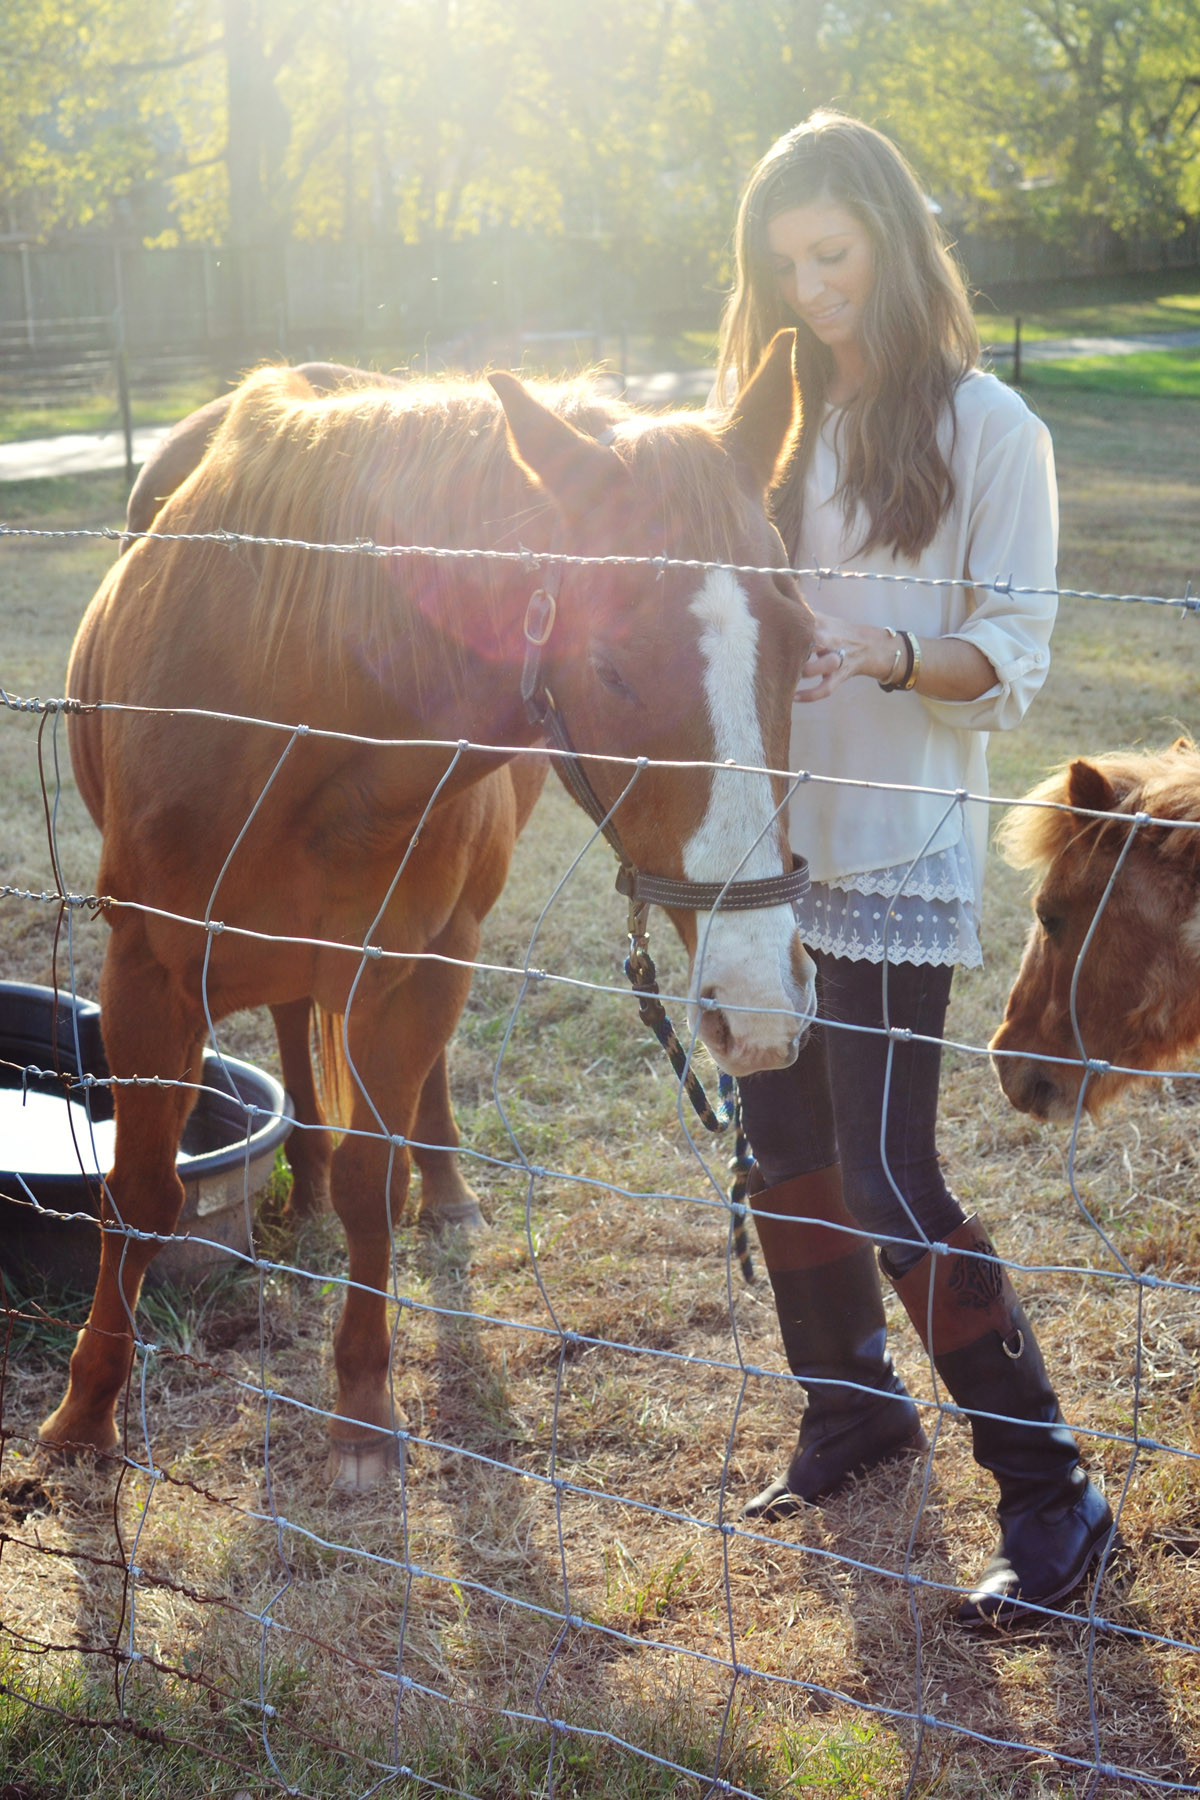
911,463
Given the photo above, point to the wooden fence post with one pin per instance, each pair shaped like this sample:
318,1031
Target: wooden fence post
123,399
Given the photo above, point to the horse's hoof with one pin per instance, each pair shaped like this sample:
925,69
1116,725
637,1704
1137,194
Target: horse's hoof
462,1215
356,1465
64,1437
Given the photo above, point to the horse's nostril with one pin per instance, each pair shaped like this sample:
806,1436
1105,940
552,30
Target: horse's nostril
1042,1095
717,1034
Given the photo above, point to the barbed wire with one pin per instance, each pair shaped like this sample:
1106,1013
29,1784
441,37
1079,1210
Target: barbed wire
130,1650
532,560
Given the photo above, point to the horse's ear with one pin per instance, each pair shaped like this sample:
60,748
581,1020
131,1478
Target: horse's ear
1089,788
576,470
763,425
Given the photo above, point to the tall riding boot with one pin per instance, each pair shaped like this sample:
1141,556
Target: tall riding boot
831,1316
1053,1523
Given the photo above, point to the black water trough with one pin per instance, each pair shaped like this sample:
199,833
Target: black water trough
54,1146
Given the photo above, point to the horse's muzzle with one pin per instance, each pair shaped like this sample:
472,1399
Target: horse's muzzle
745,1042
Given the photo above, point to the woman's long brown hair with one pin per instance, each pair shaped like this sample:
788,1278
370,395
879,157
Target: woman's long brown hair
919,336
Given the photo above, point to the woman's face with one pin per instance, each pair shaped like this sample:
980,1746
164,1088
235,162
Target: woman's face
824,265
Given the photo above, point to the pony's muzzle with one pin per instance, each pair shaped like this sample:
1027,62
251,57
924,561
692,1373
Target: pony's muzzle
1035,1087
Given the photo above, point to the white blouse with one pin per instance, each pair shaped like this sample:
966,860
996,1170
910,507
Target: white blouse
887,840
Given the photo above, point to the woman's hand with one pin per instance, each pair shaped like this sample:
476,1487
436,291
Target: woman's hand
951,668
841,649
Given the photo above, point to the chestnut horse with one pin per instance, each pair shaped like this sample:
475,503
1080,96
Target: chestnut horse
1137,996
446,1198
352,870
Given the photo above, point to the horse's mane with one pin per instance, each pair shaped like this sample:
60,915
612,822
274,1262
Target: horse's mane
1162,783
425,462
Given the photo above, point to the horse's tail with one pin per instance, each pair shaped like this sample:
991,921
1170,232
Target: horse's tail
332,1067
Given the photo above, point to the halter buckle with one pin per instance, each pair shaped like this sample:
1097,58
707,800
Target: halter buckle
539,623
539,617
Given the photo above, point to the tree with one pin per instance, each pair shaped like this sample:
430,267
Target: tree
80,129
1127,121
631,124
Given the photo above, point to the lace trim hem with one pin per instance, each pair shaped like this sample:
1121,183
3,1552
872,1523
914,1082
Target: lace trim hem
933,922
961,950
945,875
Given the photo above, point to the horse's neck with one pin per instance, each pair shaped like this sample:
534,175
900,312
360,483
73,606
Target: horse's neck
486,710
465,680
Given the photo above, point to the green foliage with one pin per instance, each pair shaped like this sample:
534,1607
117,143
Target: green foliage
628,125
1042,112
94,105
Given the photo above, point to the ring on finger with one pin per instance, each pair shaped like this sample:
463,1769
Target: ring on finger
840,653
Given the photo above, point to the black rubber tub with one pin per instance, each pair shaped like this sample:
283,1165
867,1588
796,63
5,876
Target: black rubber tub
54,1147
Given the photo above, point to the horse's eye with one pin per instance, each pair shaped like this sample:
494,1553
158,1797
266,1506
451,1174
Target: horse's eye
1050,922
610,678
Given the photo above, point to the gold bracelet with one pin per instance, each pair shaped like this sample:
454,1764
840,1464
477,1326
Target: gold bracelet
915,647
890,685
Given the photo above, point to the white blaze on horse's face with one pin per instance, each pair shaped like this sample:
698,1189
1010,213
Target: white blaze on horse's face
752,984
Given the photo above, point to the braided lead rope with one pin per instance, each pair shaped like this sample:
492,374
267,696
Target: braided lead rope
643,978
740,1164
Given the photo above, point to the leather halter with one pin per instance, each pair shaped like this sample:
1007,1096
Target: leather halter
641,889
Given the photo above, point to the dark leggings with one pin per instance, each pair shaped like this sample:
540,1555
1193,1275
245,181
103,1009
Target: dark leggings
828,1106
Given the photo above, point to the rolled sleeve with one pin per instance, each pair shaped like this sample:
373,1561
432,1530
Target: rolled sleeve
1012,546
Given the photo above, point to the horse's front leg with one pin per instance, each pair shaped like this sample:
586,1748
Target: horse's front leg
393,1045
146,1032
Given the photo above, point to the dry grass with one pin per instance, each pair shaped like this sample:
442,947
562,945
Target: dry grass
626,1425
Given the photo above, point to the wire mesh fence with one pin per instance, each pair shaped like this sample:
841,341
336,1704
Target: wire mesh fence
552,1588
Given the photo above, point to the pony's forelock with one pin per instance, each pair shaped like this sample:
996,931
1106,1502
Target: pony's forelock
1164,784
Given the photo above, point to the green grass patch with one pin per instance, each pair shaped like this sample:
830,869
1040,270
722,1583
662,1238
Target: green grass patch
1118,307
1144,374
187,1728
681,350
101,412
90,412
66,502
